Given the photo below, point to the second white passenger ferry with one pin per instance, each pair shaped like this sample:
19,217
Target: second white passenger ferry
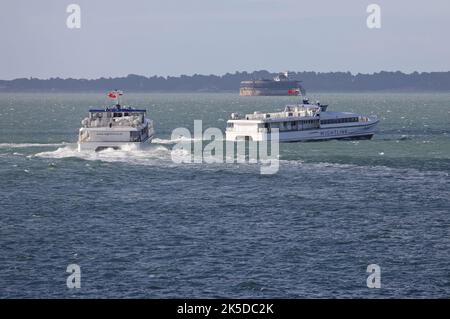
301,122
115,127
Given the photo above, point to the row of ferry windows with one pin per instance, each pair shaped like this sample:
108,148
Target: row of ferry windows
120,114
306,122
339,121
116,114
292,123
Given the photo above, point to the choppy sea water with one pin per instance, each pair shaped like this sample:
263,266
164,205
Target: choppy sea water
140,225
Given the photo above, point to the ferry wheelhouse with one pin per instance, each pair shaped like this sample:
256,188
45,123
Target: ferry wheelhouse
115,127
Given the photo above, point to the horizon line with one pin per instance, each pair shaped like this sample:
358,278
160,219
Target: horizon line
218,75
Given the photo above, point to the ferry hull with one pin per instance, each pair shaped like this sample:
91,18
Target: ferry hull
99,146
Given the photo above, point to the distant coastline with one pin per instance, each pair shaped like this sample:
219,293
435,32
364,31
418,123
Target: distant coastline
312,81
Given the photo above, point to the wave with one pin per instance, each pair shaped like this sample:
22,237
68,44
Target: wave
24,145
365,170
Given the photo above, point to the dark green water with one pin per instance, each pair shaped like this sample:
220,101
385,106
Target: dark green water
140,225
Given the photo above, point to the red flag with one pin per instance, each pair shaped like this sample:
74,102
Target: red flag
112,95
293,91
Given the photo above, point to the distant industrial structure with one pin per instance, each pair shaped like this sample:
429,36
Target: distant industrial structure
279,85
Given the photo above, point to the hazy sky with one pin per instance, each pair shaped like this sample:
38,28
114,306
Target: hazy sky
173,37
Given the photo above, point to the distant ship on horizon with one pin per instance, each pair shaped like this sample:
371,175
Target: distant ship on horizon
280,85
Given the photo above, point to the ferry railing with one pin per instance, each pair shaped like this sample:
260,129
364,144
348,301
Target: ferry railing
280,115
108,123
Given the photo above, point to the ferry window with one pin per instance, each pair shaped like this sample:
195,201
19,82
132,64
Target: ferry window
126,114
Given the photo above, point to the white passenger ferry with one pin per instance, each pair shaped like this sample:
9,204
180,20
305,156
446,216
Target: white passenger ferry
301,122
115,127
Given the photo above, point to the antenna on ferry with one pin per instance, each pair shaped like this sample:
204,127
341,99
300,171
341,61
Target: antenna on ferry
302,94
302,90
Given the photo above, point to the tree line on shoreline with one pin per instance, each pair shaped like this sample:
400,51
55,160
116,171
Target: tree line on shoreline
229,82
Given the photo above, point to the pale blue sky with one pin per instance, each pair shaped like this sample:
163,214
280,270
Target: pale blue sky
173,37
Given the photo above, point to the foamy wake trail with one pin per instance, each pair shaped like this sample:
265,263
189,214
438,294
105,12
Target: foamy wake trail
174,141
24,145
150,155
